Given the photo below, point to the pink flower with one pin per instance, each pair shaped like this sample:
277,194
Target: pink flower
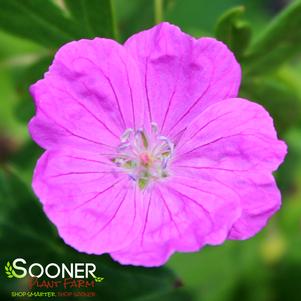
148,151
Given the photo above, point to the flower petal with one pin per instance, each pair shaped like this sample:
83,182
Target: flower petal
181,216
234,143
260,199
95,208
182,75
90,95
235,134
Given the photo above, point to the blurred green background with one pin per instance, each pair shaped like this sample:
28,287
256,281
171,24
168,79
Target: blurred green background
266,38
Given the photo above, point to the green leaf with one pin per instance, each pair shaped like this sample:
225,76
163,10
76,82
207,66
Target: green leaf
37,20
288,179
24,110
233,31
278,42
94,16
280,94
26,232
25,159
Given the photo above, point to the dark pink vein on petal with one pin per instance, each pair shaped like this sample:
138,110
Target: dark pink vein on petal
218,168
71,133
191,107
146,90
117,100
169,213
207,213
111,86
171,97
87,110
135,210
114,216
90,160
218,139
208,123
168,108
202,190
98,194
146,218
199,130
80,173
131,91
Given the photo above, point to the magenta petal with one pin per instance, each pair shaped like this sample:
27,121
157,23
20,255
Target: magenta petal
90,95
182,75
235,134
234,143
260,199
182,214
95,208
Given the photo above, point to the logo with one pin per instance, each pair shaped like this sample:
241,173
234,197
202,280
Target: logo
59,277
20,269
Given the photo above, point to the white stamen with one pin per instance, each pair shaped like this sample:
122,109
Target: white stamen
139,144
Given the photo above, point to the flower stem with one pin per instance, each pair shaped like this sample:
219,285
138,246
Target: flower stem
158,7
115,27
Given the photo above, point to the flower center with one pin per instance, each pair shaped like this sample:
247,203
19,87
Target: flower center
144,156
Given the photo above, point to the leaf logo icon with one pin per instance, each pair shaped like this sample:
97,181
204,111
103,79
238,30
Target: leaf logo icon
9,270
98,279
